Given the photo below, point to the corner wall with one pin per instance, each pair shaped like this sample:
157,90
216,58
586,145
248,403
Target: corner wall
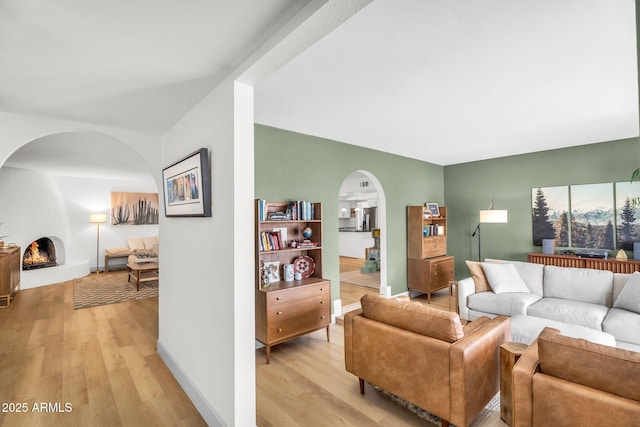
294,166
470,187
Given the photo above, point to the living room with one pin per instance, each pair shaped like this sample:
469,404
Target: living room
216,291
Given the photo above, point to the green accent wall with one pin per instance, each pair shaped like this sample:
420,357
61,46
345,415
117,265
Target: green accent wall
470,187
293,166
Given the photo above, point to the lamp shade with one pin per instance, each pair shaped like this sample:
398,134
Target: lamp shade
493,216
98,218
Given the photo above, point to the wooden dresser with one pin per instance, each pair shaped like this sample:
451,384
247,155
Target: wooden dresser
287,310
615,265
9,274
429,268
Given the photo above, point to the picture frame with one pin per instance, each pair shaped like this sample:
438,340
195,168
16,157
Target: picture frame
272,269
433,208
187,186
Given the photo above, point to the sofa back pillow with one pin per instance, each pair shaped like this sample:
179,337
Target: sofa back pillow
504,278
531,273
579,284
629,297
414,317
619,280
136,243
150,242
598,366
477,274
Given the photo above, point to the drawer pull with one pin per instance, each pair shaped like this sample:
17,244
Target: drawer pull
278,313
279,329
321,289
322,302
322,317
277,298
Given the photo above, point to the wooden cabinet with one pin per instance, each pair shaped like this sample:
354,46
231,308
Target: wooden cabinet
626,266
289,309
9,274
428,267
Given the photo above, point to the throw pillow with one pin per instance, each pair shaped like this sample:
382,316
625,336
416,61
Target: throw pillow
479,279
504,278
135,244
629,297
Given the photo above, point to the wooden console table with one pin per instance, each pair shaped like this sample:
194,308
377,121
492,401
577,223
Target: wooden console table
612,264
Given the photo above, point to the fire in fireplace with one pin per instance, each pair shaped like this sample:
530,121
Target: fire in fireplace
39,254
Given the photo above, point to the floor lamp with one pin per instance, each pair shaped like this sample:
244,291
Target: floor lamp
495,216
98,219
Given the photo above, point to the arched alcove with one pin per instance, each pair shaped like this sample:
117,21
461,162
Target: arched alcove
54,183
361,209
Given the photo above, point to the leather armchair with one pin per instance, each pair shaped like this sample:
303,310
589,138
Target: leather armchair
425,356
564,381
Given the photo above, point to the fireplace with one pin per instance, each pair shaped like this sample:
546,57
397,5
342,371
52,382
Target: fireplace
40,253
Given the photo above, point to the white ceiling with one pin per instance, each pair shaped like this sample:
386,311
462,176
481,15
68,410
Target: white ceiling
138,64
443,82
457,81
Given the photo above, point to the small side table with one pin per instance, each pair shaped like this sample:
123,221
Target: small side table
510,352
453,291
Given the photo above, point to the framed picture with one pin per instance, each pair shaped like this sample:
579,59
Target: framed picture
433,208
272,268
187,186
134,208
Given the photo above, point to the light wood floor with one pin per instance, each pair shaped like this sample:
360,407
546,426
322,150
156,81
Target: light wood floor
102,361
306,383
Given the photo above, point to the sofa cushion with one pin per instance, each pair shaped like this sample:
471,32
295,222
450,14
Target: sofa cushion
525,329
150,242
580,284
629,297
136,243
504,278
623,324
619,280
609,369
506,304
569,311
117,252
531,273
479,279
414,317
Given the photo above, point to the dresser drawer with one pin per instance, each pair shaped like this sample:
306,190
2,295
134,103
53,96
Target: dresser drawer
292,323
298,294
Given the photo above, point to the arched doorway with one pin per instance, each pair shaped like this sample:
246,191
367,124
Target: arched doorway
361,237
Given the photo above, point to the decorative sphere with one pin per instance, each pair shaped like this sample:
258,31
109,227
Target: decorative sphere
307,232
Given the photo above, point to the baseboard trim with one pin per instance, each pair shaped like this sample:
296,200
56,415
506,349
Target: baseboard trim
207,412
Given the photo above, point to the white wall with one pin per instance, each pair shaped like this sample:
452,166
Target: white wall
83,196
74,198
197,304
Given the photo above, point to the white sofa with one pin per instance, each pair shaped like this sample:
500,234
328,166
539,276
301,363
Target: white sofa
583,303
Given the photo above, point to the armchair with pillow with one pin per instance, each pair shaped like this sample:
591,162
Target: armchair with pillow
425,356
565,381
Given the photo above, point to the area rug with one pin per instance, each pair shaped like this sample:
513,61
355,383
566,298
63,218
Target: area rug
488,417
370,280
109,288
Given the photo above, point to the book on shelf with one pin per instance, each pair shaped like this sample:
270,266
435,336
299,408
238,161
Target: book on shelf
306,245
431,230
297,210
301,210
271,241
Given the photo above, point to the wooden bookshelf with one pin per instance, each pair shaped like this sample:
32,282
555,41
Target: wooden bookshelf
289,309
428,267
